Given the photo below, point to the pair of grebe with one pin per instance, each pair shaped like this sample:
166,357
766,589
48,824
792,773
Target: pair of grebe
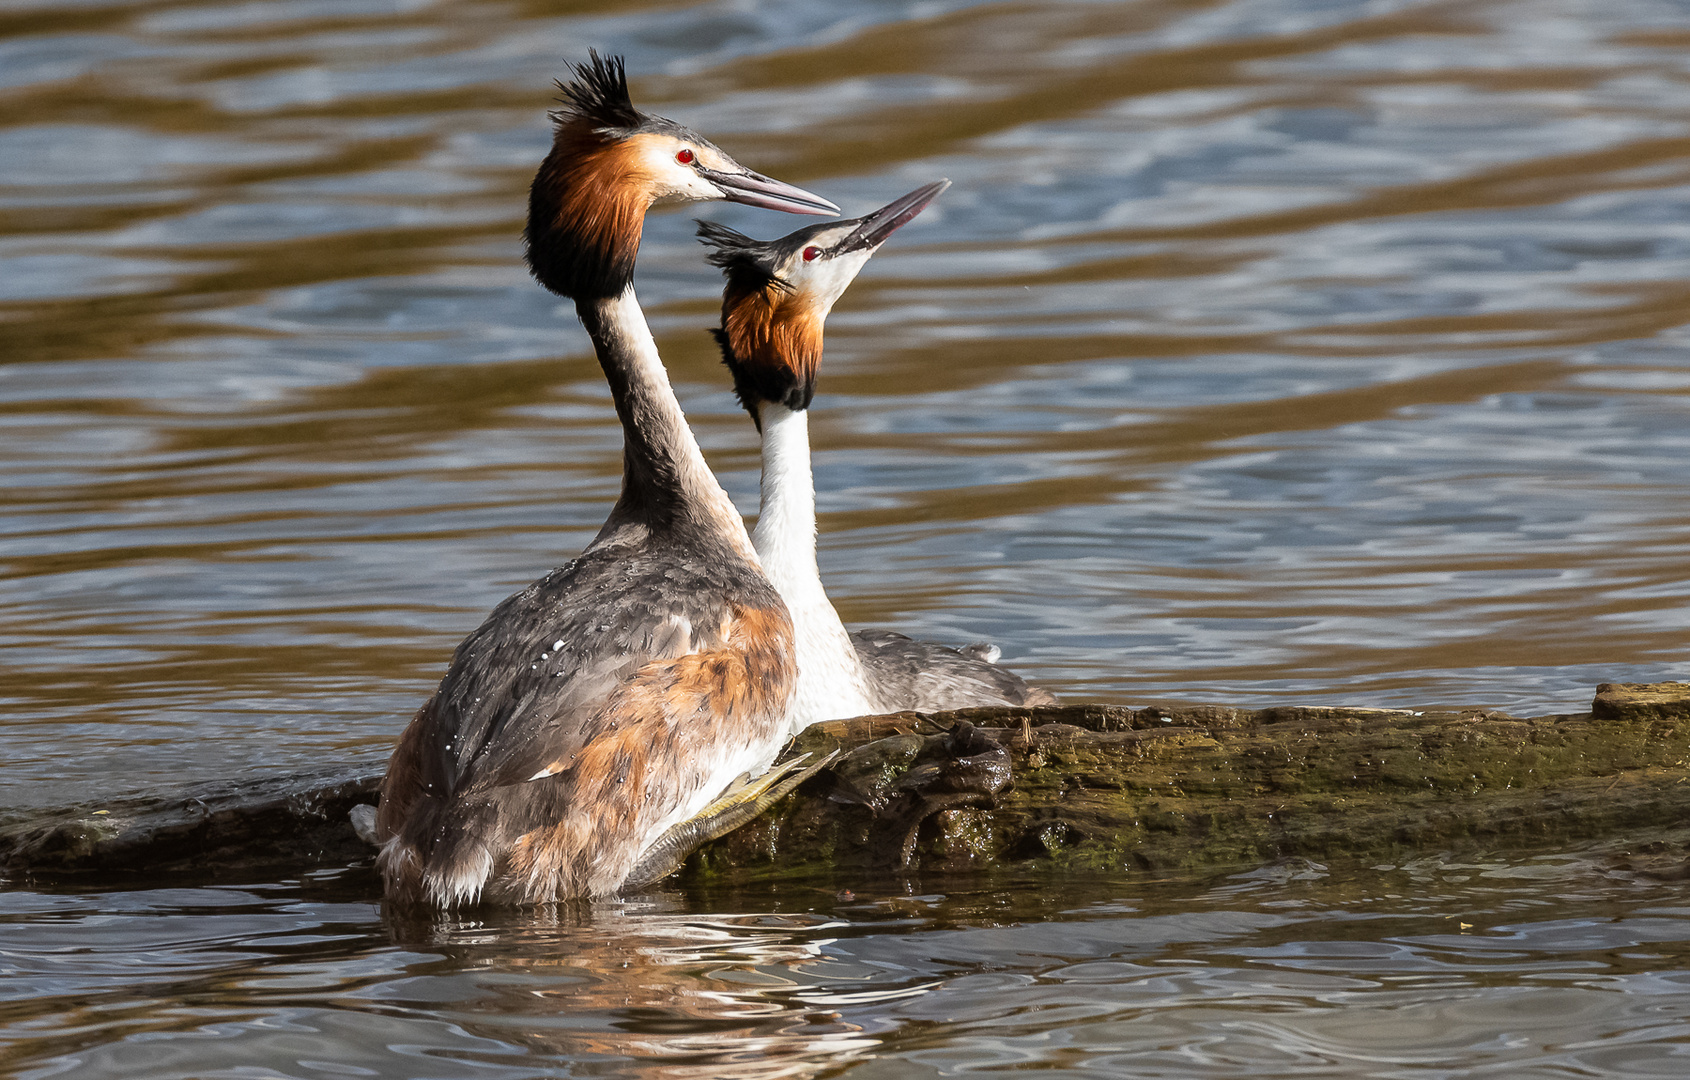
603,711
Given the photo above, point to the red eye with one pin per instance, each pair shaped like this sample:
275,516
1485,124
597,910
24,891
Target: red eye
811,254
684,157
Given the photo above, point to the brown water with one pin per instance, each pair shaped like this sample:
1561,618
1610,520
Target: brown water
1486,967
1265,351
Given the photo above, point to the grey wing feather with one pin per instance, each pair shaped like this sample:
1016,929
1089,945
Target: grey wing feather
525,692
512,701
926,677
983,651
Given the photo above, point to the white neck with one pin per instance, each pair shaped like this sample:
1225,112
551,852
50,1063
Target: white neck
831,683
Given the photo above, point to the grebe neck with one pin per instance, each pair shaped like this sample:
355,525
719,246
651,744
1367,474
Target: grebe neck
666,483
785,536
831,682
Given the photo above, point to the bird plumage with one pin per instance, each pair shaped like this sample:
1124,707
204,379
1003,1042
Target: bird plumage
776,300
618,695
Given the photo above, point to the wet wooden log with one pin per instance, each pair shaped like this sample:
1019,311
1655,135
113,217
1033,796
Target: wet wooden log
1083,787
282,825
1180,786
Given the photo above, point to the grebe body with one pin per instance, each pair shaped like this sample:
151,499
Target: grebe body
618,695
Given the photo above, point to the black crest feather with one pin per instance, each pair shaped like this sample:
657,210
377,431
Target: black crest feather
749,267
745,262
598,93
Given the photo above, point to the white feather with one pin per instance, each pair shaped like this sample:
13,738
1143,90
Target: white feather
831,682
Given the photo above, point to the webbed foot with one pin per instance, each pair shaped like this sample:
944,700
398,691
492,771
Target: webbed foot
743,801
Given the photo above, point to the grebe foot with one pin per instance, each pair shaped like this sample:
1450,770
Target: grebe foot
742,803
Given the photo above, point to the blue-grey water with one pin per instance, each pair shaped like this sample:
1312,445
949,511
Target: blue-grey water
1263,351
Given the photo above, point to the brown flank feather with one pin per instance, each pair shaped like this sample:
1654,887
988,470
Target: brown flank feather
627,779
402,789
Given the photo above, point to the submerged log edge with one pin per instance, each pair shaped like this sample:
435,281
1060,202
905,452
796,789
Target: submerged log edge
1161,786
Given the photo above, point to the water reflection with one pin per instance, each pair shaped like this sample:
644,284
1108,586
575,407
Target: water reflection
1565,964
742,996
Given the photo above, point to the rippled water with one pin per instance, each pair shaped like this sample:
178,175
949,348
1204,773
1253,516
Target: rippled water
1263,351
1482,968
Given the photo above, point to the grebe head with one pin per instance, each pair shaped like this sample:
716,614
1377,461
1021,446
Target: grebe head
609,164
779,293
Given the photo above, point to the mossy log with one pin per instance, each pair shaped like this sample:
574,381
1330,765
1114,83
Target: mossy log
1161,786
1178,786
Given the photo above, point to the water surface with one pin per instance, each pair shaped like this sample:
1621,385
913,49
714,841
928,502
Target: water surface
1263,351
1485,966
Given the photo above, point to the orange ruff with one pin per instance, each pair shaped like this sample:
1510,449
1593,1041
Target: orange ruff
599,190
771,328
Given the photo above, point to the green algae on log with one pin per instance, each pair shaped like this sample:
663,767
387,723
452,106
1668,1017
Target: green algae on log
1193,786
1165,786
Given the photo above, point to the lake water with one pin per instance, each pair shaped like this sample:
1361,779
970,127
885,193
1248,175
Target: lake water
1480,967
1268,351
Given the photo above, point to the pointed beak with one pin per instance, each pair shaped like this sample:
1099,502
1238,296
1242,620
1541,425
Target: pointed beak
874,229
755,189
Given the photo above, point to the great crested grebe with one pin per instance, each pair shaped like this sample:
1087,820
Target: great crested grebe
777,297
615,697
